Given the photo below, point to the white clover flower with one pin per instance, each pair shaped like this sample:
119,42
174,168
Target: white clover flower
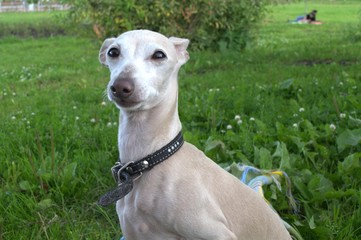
210,90
13,118
74,107
115,123
77,118
5,93
104,103
252,119
301,109
229,127
332,127
300,90
341,83
217,89
14,93
237,117
32,114
342,115
295,115
295,125
109,124
239,122
92,120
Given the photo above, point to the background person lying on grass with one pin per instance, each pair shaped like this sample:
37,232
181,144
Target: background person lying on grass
309,18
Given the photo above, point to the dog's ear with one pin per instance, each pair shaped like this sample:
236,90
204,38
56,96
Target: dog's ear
103,50
181,45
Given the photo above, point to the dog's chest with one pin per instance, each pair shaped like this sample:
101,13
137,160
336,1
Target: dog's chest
144,212
139,217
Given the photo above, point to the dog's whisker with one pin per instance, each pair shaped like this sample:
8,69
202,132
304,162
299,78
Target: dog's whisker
105,96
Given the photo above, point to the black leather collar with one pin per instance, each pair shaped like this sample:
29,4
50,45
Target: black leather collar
125,174
147,163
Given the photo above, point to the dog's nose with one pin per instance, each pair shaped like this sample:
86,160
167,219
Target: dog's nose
122,87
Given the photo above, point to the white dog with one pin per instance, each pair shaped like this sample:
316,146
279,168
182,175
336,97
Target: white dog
168,189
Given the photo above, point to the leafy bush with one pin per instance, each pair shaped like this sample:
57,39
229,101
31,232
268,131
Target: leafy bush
208,24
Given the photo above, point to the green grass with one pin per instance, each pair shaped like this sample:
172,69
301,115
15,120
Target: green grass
32,24
291,87
28,17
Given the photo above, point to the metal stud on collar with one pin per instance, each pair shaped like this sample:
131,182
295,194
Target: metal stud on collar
145,164
157,157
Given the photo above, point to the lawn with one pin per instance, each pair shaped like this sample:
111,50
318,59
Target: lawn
36,24
296,89
27,17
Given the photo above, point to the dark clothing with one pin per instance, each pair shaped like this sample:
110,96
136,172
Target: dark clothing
311,16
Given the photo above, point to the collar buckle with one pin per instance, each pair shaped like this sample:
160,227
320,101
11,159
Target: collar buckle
125,174
117,170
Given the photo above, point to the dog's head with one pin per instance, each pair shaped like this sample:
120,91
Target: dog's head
143,64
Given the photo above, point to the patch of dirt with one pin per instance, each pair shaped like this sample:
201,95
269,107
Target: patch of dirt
33,31
311,63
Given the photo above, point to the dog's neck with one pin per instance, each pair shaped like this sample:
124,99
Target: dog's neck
143,132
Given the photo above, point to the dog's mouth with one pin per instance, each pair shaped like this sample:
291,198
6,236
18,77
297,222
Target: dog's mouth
124,102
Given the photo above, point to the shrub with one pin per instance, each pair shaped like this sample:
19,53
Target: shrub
208,24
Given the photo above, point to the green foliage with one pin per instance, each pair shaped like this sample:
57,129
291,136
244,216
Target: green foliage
266,107
208,24
349,139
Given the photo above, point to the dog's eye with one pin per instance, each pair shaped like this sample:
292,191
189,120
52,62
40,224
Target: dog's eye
159,55
113,52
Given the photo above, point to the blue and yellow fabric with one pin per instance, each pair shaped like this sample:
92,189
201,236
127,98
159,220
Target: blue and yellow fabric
257,178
